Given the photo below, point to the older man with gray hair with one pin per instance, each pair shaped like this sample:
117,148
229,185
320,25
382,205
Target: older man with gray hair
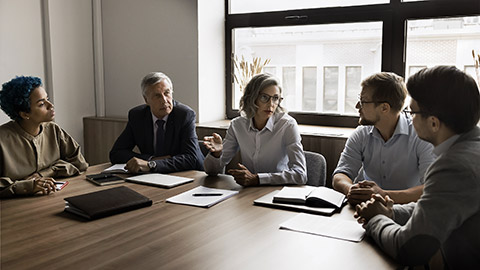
163,130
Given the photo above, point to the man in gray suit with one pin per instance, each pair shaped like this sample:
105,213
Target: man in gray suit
445,107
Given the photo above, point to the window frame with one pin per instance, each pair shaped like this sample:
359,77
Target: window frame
393,15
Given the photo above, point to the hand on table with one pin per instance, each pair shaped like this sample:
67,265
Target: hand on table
377,205
42,184
244,177
136,165
363,191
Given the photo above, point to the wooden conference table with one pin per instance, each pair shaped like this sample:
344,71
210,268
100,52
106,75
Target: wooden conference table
234,234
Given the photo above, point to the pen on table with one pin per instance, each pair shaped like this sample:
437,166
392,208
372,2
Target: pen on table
206,194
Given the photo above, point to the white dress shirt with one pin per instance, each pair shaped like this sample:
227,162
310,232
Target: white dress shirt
275,153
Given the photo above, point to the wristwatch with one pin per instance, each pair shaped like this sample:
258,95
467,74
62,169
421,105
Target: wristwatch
152,165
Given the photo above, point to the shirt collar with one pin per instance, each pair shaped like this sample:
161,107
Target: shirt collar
445,145
402,127
270,122
154,118
26,134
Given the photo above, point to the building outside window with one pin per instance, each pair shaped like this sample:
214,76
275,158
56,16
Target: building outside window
320,61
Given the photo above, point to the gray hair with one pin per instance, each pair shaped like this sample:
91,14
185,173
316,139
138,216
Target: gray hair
248,108
153,78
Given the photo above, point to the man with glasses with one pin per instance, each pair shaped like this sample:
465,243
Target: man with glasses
163,129
446,108
384,155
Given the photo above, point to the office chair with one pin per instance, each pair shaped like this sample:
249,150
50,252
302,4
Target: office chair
316,169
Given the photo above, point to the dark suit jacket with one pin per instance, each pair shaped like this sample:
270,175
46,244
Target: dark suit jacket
181,141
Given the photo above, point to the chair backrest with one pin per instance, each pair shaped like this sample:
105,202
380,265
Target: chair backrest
316,169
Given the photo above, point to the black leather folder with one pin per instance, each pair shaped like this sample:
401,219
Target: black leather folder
106,202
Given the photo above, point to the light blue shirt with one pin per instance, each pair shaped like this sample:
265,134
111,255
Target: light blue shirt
396,164
275,153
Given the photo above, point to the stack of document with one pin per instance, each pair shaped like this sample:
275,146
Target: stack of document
202,196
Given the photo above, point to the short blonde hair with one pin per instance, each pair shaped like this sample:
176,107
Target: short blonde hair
248,108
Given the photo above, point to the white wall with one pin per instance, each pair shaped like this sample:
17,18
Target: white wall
66,27
148,35
21,45
211,60
71,42
183,38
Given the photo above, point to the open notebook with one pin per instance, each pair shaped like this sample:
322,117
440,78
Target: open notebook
267,200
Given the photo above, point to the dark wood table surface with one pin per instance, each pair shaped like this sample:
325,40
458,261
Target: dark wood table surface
234,234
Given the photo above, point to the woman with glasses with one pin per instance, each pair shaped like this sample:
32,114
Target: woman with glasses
33,149
267,138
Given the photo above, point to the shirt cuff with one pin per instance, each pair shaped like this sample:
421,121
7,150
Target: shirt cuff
24,187
212,165
263,178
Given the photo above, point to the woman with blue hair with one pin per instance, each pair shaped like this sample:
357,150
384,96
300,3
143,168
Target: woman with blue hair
33,149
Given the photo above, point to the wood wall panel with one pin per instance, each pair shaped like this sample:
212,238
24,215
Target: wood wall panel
100,133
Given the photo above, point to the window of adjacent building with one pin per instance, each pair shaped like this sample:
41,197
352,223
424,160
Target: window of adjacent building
442,41
319,66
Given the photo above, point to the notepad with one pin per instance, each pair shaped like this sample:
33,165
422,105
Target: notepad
188,197
159,180
337,228
310,196
106,202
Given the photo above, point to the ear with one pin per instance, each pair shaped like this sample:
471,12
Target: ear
24,115
434,123
385,107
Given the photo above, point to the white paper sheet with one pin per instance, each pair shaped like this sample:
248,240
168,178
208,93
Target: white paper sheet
202,201
325,226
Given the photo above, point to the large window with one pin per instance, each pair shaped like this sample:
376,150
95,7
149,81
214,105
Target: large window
295,54
322,50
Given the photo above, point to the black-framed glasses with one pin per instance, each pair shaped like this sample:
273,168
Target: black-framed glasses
412,113
361,102
264,98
